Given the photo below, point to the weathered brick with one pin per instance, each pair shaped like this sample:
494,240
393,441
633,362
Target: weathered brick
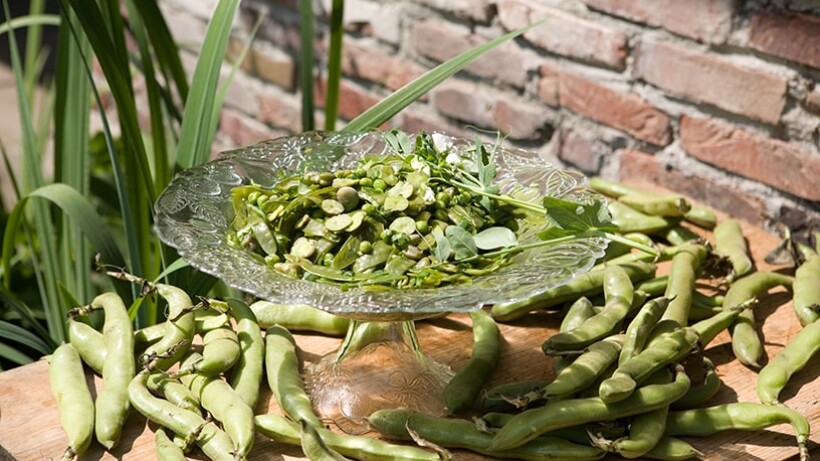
265,62
466,101
579,150
477,10
708,21
188,30
621,110
377,19
353,99
713,80
792,36
639,167
438,40
243,92
414,121
812,100
243,130
549,86
770,161
280,110
370,63
565,34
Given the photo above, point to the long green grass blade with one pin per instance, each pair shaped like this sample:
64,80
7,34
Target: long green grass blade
164,46
29,320
33,52
33,178
194,146
9,353
306,63
334,64
171,268
14,333
27,21
411,92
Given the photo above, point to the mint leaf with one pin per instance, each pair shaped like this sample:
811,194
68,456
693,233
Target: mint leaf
568,218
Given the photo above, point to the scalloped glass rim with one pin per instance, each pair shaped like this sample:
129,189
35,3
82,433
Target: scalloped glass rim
194,212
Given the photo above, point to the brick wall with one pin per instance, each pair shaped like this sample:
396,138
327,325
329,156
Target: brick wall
718,99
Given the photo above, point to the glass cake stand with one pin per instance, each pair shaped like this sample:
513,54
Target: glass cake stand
380,363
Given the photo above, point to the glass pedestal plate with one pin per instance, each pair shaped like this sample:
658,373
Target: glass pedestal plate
380,363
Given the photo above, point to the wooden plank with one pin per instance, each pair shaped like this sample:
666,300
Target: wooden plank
30,430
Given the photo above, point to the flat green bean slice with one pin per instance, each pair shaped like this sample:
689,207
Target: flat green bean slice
461,433
774,377
744,416
806,299
282,369
531,423
247,373
68,385
363,448
299,317
463,388
214,442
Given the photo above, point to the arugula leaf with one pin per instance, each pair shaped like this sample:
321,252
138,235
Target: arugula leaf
442,249
461,241
568,218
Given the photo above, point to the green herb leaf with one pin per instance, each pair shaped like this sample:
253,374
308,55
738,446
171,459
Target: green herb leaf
495,237
461,241
442,249
568,218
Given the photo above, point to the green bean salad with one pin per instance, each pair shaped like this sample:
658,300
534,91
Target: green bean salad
417,216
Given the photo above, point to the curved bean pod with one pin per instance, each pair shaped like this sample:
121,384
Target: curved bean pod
213,441
220,351
299,317
581,373
315,448
673,449
557,414
112,401
682,276
89,342
629,219
179,328
792,358
362,448
247,374
166,450
282,369
806,299
578,313
743,416
173,391
461,433
639,328
657,205
506,397
731,244
464,387
645,432
67,381
702,393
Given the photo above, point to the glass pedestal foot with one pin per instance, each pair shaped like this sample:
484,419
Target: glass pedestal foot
378,366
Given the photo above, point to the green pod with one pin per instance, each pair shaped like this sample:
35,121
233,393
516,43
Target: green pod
578,313
588,284
461,433
89,342
214,442
463,388
112,401
679,235
145,337
710,327
247,374
639,328
165,448
618,293
558,414
669,348
701,216
645,431
315,448
283,430
657,205
220,351
299,317
731,244
743,416
282,370
506,397
582,372
68,385
220,400
629,219
673,449
179,328
774,377
613,188
806,299
746,343
682,276
173,391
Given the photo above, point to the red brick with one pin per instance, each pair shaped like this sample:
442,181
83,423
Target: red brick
624,111
265,62
579,150
770,161
353,99
477,10
792,36
638,167
416,121
243,130
548,86
372,18
565,34
441,41
704,20
280,110
374,65
519,120
713,80
813,100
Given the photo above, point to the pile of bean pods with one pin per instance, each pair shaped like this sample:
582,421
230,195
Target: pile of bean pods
630,374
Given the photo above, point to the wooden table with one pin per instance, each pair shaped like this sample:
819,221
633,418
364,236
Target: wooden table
30,430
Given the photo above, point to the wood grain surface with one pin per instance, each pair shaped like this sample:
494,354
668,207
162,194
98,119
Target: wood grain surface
30,428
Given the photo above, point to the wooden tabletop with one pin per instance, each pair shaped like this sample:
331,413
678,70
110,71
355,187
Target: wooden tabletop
30,428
